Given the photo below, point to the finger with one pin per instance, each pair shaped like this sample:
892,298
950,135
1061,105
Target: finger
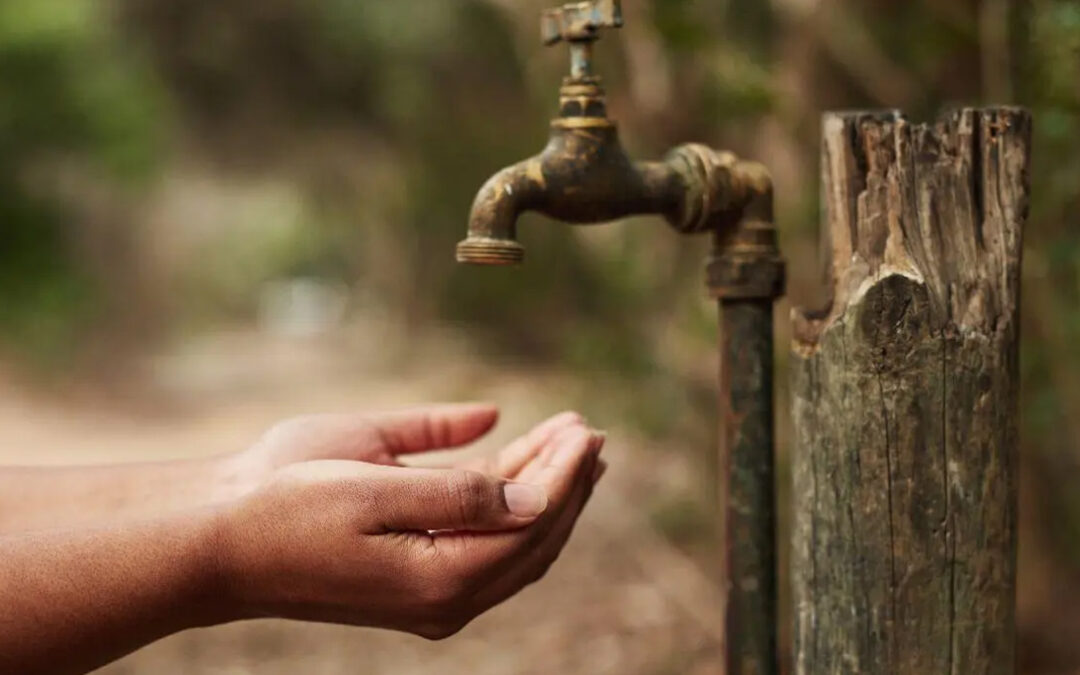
409,500
435,427
508,462
521,451
568,451
540,556
585,476
572,463
545,552
532,472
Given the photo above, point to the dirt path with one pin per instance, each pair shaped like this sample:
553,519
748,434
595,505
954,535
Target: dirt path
619,601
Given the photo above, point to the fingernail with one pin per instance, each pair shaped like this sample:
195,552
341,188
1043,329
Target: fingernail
598,439
525,500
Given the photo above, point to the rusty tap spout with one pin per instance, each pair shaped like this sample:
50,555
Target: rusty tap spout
492,238
584,176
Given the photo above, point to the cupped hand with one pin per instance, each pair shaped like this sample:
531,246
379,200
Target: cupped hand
417,550
383,438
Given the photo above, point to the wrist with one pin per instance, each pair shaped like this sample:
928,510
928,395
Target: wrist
216,595
236,565
213,569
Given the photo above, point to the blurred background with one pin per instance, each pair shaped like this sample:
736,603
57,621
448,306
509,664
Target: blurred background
217,213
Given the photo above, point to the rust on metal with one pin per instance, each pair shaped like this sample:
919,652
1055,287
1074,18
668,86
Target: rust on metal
746,489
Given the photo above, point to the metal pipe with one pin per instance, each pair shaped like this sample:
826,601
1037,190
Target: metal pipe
747,486
581,57
746,275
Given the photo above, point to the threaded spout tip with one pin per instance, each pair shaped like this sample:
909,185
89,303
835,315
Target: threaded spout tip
487,251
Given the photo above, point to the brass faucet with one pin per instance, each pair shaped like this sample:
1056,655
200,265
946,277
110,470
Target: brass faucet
584,176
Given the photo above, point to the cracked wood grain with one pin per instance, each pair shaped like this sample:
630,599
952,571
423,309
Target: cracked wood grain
905,399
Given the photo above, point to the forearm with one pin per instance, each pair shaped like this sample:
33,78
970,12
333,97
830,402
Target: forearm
72,601
37,498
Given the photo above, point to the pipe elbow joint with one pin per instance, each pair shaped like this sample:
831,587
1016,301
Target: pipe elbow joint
745,263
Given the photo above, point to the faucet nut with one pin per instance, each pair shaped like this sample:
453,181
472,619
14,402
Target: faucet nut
755,272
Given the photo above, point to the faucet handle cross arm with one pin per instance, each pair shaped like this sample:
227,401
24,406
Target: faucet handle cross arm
580,21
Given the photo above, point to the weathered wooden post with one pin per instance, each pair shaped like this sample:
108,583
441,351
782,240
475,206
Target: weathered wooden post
905,399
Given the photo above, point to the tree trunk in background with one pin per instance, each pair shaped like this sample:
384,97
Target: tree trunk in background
905,399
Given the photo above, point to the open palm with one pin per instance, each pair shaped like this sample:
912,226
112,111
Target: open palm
382,438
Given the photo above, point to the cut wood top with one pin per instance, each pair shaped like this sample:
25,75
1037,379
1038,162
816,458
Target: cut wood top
941,203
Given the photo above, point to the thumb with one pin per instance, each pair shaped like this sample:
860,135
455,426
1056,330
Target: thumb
452,499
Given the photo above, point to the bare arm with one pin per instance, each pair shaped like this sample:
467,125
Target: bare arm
72,601
39,498
417,550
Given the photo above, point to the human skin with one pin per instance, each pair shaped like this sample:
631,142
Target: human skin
35,498
326,527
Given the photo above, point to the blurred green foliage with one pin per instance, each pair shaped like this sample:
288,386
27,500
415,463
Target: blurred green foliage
68,94
1050,352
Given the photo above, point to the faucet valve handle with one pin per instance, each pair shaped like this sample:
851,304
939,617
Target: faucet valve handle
578,22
